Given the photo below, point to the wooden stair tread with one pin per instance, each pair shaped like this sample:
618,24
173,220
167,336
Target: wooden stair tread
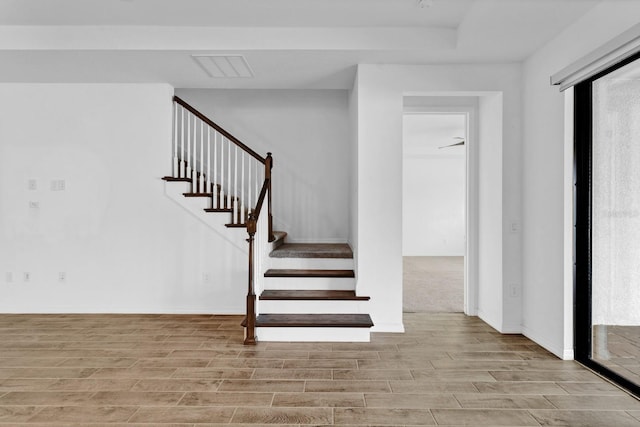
236,225
314,320
197,194
218,210
312,250
174,179
307,295
309,273
207,194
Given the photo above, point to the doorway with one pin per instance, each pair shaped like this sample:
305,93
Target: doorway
434,210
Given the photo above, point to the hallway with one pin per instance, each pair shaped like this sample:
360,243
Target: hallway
433,284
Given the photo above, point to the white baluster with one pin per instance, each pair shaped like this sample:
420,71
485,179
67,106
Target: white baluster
188,159
208,189
243,220
229,201
222,192
249,184
194,156
182,130
215,171
202,189
259,179
176,171
235,187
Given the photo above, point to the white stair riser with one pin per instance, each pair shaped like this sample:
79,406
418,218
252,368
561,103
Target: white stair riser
312,307
311,263
313,334
309,283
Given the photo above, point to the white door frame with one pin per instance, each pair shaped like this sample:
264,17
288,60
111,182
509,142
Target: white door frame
470,109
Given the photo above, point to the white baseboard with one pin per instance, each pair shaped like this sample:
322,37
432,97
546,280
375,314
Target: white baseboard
511,329
387,327
101,310
538,338
502,328
486,319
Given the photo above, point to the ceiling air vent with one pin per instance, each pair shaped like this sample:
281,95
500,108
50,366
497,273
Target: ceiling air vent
224,66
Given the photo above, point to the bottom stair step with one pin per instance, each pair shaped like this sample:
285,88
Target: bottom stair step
314,320
313,327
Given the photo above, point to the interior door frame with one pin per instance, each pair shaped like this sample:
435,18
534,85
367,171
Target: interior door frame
471,195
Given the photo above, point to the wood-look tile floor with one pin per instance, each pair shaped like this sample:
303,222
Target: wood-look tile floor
167,370
623,348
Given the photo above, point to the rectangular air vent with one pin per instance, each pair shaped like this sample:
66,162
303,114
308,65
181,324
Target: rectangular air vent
224,66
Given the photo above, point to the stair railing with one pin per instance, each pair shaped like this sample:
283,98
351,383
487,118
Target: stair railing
254,223
237,178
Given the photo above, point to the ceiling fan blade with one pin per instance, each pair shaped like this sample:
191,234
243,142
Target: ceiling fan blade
453,145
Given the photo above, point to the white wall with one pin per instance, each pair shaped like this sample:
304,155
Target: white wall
491,216
433,206
123,245
380,99
308,133
547,177
433,185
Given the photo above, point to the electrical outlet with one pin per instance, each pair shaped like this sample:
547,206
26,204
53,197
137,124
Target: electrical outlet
206,278
33,184
26,276
62,277
8,277
58,185
514,291
34,204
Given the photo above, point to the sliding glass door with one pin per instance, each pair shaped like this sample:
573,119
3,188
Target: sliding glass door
607,130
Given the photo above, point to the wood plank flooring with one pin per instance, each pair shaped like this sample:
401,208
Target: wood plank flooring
623,351
189,370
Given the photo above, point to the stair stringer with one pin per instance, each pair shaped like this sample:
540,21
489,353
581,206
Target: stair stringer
215,221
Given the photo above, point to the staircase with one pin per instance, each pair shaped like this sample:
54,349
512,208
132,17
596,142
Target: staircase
305,292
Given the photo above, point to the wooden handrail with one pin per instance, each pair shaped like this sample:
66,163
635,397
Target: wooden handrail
219,129
263,193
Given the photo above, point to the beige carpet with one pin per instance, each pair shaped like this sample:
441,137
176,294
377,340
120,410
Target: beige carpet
433,284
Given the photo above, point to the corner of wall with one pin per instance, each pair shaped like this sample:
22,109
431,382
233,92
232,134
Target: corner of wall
353,171
544,341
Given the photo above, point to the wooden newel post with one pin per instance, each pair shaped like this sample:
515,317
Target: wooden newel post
250,329
268,165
